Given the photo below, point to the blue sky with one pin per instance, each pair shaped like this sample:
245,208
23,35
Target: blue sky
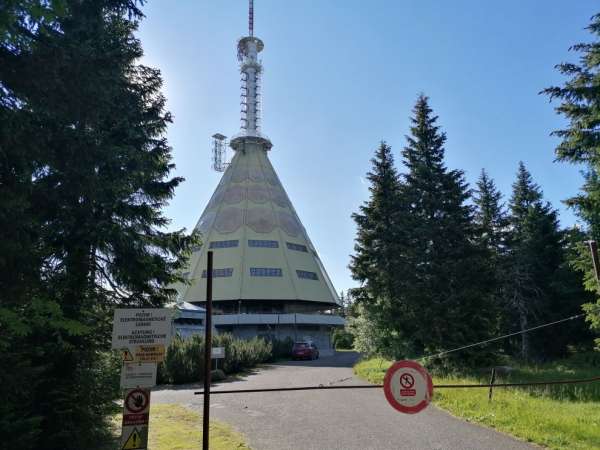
341,75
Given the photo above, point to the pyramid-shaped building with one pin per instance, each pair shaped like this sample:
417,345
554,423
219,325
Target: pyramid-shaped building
268,279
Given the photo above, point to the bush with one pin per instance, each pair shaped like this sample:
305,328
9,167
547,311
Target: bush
282,349
217,375
184,361
342,339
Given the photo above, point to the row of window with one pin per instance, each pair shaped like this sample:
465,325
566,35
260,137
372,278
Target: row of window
220,273
262,243
306,275
258,243
262,272
224,244
297,247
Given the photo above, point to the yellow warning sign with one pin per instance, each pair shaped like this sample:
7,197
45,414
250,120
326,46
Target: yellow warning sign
127,356
134,441
150,353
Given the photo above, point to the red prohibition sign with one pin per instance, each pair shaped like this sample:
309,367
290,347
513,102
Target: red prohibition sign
407,381
137,400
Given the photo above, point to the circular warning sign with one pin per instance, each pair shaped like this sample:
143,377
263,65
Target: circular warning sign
408,387
137,400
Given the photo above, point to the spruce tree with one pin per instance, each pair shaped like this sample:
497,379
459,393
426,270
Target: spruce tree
85,166
491,225
446,290
490,216
580,105
375,261
375,245
535,256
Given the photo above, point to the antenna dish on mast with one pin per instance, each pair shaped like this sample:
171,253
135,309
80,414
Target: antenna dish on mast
219,152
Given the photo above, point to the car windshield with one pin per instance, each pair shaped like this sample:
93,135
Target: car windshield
298,345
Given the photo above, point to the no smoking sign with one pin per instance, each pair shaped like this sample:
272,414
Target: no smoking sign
408,387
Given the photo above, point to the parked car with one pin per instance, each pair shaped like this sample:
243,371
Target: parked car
305,350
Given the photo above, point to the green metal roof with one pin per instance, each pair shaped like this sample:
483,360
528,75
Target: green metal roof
261,250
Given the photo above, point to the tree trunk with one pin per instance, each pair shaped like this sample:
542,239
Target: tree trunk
524,336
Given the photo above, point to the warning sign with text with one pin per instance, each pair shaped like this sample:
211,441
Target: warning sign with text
133,328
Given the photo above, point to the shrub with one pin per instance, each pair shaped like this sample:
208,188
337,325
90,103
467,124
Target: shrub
342,339
282,349
217,375
184,361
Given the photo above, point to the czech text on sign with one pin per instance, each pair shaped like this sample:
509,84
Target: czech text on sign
408,387
149,353
218,353
138,375
136,409
135,327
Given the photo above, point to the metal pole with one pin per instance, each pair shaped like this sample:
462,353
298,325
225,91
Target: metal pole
492,380
594,252
207,351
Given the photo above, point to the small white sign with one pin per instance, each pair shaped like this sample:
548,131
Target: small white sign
138,375
137,327
218,352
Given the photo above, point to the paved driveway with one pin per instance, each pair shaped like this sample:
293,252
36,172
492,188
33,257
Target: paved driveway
353,419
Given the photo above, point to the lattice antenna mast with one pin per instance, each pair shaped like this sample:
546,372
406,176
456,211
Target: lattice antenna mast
250,69
251,18
219,152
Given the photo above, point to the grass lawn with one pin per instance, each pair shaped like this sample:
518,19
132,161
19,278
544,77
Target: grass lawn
565,417
173,427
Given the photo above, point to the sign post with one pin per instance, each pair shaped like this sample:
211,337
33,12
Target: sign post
408,387
142,336
138,330
136,413
138,375
216,354
207,351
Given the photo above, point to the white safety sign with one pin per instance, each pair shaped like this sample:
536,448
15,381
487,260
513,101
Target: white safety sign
133,328
138,375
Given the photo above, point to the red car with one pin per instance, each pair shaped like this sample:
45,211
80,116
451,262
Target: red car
305,350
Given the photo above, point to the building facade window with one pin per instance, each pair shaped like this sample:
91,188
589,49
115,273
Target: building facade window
220,273
262,243
307,275
224,244
297,247
265,272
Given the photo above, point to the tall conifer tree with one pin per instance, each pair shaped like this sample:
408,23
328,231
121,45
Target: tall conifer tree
86,166
445,279
375,261
536,255
580,105
491,230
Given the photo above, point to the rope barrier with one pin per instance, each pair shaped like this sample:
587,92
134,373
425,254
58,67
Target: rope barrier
438,386
441,386
577,316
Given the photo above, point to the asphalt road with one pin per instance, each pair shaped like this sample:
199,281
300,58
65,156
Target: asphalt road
353,419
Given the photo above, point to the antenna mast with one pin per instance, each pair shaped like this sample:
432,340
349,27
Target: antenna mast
251,18
251,69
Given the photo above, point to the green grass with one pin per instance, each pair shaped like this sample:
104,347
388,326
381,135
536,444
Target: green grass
173,427
565,417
